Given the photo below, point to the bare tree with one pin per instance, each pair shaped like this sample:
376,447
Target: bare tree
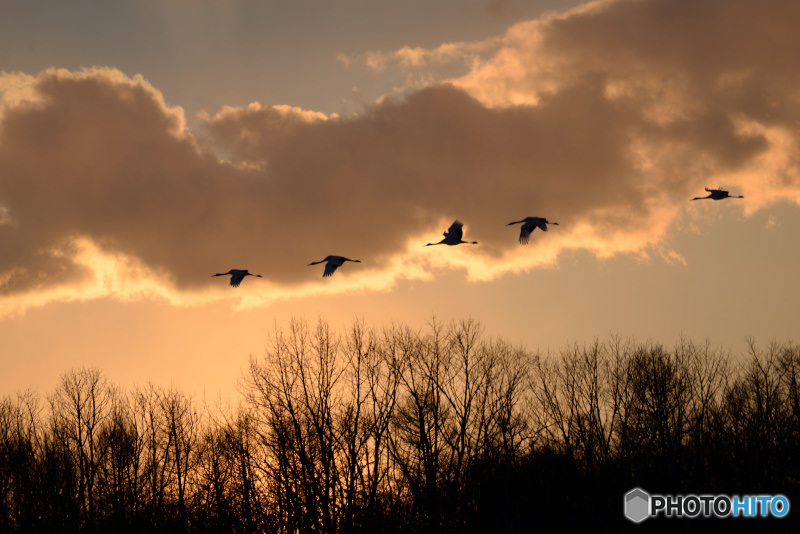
80,407
708,371
120,477
216,472
352,424
227,492
440,430
156,444
294,391
21,435
182,427
417,440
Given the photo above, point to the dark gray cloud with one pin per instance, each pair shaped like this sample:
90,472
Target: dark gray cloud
105,159
652,99
694,72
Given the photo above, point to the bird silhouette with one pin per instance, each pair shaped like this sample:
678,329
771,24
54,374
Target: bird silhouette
716,194
529,224
453,236
333,262
237,275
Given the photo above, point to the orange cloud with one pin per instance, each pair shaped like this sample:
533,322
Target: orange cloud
409,57
607,118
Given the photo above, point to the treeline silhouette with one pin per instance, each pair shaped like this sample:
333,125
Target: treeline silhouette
390,430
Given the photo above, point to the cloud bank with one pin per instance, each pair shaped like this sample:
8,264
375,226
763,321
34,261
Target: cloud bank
606,119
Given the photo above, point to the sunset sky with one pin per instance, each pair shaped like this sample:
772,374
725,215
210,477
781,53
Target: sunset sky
146,145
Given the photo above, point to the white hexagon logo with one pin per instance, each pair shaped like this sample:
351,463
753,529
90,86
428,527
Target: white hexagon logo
637,505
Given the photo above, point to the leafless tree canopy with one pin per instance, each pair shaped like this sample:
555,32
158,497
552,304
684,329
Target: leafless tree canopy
389,430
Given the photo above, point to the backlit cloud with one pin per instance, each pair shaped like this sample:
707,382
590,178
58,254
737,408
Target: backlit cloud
606,119
417,57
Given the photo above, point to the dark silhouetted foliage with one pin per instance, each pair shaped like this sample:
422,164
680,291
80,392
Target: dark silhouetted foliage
398,430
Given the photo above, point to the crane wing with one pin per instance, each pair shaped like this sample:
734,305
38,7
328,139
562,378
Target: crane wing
455,232
236,279
329,268
525,233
